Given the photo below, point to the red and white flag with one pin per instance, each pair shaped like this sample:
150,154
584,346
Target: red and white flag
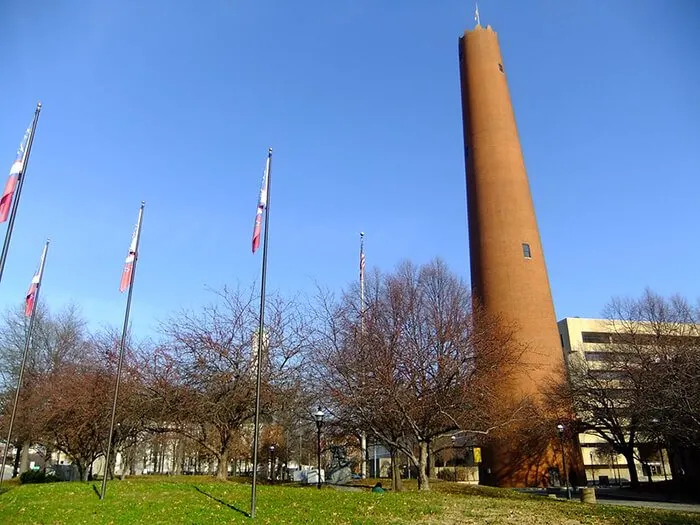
131,256
15,174
33,291
262,204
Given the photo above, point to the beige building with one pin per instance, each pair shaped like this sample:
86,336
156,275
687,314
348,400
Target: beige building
588,341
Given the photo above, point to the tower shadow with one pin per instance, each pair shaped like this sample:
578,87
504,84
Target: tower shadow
247,515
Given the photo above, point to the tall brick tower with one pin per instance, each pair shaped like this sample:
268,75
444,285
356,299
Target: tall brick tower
508,271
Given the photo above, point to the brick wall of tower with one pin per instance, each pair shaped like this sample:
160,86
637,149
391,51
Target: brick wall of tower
502,220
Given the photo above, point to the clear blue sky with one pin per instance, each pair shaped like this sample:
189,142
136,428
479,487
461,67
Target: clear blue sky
177,102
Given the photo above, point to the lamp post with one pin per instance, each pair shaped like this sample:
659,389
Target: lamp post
272,463
655,421
560,429
318,416
454,455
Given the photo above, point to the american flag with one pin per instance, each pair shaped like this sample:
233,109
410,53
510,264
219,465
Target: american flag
15,173
362,264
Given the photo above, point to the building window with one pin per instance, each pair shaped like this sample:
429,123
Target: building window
500,67
526,251
596,337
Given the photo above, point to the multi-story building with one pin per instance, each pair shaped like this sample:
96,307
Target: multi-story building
590,343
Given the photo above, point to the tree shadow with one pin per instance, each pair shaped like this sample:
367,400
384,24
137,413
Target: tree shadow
94,487
247,515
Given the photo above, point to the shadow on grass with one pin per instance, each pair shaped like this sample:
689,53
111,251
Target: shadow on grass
221,501
94,487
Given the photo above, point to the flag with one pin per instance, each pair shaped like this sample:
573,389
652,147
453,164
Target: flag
362,263
15,174
130,258
31,295
30,299
262,204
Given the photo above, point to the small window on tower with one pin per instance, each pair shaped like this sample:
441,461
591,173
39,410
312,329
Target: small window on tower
500,67
526,251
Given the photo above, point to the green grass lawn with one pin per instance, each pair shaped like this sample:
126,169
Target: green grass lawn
195,500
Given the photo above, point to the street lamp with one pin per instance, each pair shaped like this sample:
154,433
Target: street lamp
454,455
318,416
655,421
272,463
560,429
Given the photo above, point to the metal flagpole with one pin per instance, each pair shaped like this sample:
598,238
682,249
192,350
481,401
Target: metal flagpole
122,344
261,327
362,282
24,358
18,191
363,434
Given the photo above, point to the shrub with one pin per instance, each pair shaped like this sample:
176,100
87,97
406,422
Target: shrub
37,476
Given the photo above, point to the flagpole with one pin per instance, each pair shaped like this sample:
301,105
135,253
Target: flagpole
122,344
362,282
363,434
261,327
18,192
24,358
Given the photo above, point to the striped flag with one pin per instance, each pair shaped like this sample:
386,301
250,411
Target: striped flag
362,259
33,291
131,256
15,174
262,204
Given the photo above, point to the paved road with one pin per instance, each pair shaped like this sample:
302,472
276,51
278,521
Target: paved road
678,507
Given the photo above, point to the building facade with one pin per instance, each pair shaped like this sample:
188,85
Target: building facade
588,343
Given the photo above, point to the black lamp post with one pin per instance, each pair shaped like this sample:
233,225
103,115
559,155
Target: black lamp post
318,416
560,429
454,455
659,449
272,463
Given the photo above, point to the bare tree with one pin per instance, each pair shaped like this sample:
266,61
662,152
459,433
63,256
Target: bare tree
420,365
205,383
644,380
58,338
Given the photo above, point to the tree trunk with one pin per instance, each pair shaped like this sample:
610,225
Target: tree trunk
177,457
222,467
396,484
423,483
431,465
631,467
82,470
126,461
24,460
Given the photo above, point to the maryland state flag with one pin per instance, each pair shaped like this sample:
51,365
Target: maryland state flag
33,292
15,173
132,255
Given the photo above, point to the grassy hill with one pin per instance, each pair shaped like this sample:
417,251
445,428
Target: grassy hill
200,500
